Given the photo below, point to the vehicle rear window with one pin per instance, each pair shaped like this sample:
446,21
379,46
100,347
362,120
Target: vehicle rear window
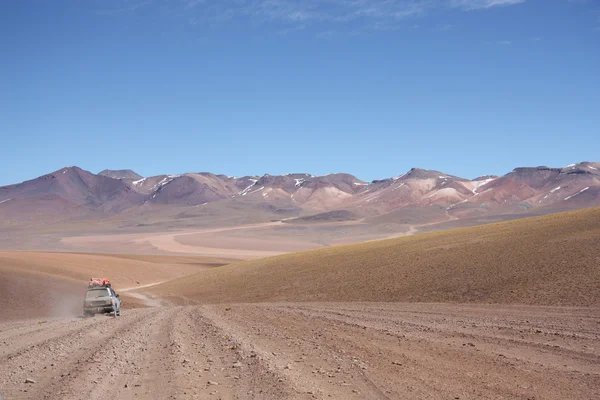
94,294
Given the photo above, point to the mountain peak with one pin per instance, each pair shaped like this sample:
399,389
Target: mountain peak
484,177
65,170
115,190
120,174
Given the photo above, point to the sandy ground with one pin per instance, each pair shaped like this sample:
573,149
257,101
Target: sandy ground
307,351
243,242
47,284
170,242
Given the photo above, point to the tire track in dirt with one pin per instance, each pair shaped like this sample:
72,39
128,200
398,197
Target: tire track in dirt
529,342
200,360
308,351
312,370
421,358
159,353
541,355
40,333
45,361
15,329
113,368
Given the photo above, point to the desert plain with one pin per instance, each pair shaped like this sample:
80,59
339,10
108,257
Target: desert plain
507,310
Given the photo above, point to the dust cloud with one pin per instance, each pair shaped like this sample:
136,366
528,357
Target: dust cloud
40,296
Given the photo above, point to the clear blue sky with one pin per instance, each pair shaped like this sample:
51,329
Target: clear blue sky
369,87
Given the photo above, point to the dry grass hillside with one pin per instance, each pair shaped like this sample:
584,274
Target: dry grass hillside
548,260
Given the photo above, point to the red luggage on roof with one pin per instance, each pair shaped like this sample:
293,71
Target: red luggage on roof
98,282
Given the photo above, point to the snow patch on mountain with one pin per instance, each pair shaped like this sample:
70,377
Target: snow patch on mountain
454,205
573,195
257,190
245,191
481,183
165,181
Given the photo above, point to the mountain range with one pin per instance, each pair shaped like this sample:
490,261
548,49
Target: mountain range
72,193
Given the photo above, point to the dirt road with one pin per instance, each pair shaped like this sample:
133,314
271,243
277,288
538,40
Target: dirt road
167,242
306,351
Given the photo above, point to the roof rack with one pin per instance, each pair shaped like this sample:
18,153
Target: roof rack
98,282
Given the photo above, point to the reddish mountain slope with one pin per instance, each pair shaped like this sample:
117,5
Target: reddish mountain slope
68,191
418,195
185,190
574,186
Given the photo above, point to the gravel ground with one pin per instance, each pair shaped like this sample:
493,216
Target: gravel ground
306,351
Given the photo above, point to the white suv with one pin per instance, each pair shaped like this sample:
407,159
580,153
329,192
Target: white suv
101,300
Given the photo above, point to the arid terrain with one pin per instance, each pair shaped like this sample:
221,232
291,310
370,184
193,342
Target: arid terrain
507,310
300,200
118,211
43,284
307,351
548,260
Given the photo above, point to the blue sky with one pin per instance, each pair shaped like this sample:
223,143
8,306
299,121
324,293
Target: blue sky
369,87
